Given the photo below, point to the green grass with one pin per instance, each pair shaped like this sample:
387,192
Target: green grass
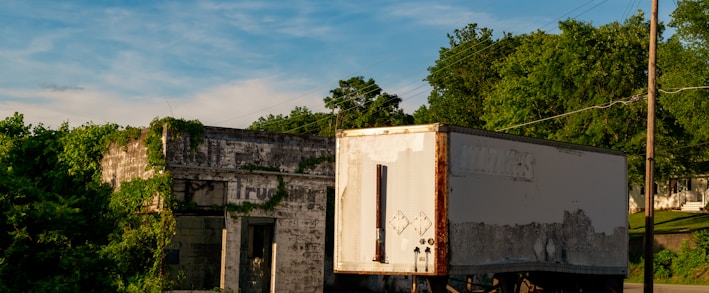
667,222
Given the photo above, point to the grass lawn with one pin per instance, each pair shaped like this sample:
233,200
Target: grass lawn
668,222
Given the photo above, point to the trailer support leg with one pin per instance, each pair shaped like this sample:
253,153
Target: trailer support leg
437,284
506,282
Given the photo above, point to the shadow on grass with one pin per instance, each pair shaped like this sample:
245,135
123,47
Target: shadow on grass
667,222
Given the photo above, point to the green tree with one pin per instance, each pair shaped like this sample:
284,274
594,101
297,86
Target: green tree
684,70
53,221
592,78
357,103
684,67
300,120
63,230
682,108
464,75
691,19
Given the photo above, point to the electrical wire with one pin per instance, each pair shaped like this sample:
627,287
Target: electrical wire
626,101
634,4
463,58
674,91
463,54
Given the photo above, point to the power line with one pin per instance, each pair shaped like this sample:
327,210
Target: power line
677,90
465,54
673,149
625,101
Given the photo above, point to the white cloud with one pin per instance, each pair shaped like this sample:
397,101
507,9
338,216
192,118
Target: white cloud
240,103
457,15
76,107
236,104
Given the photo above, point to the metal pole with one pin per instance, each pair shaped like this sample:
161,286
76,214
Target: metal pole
650,154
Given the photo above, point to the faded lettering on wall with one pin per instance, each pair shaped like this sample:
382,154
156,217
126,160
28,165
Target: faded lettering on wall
263,193
497,162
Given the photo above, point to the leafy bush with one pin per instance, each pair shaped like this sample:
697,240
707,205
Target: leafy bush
690,265
662,263
62,229
691,259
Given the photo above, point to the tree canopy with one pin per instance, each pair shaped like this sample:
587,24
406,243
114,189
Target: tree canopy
356,103
63,229
462,79
585,85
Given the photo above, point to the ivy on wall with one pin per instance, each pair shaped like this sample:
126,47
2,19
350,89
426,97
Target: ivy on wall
153,141
307,163
146,230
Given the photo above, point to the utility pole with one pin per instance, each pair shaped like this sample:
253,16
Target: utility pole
650,154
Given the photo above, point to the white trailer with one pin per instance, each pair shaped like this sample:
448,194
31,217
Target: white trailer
439,201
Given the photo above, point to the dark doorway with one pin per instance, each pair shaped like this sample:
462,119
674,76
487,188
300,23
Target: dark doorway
256,255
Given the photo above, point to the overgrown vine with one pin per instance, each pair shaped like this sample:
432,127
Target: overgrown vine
146,232
153,141
307,163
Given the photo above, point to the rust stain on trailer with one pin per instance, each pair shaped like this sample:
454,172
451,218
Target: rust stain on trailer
441,208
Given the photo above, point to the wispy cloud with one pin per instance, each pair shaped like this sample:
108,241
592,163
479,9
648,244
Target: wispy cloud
235,104
52,107
457,15
239,103
223,62
61,88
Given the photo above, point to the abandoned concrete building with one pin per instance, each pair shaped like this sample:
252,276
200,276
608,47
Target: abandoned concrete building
263,250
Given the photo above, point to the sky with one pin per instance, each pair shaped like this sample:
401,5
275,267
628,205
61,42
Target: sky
227,63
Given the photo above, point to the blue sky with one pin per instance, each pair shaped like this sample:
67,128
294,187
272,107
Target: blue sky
227,63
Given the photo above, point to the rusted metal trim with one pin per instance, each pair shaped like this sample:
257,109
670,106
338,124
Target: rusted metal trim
378,211
389,130
441,203
449,128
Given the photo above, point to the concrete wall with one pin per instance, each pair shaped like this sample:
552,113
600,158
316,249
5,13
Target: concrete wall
123,163
228,166
662,241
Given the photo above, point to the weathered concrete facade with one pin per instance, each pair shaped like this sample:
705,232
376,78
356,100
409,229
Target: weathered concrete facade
278,250
123,163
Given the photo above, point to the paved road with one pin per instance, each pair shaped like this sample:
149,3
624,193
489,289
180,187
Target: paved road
662,288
